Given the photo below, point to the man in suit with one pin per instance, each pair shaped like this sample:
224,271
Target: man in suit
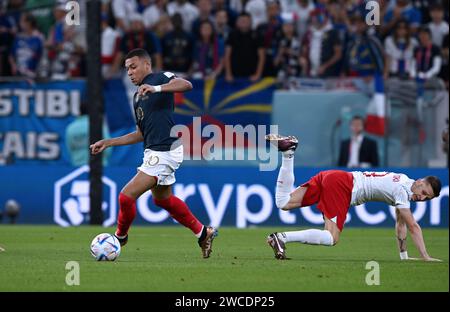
358,151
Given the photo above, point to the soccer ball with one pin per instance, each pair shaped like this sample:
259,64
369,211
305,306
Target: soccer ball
105,247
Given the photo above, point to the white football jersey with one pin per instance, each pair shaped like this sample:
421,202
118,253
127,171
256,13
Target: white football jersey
387,187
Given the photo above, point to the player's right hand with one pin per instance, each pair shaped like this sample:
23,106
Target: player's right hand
143,89
98,147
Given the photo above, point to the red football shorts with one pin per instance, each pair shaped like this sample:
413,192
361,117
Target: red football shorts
331,190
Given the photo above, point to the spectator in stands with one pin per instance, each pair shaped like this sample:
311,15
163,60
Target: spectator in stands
110,48
204,14
68,60
438,26
14,8
177,47
80,37
322,46
427,57
290,62
221,23
357,6
270,34
257,10
208,53
123,11
153,13
423,6
138,37
219,5
56,31
63,52
302,10
364,53
399,49
187,10
163,26
77,139
339,19
8,30
238,6
359,151
403,9
244,52
27,48
444,68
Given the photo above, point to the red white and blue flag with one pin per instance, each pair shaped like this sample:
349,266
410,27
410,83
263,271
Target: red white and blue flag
376,112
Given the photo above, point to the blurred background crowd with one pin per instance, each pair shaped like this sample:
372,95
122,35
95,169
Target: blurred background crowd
232,38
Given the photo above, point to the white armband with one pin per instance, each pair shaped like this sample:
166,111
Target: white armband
404,255
157,88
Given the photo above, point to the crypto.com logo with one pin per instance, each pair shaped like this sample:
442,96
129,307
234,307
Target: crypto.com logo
73,13
71,199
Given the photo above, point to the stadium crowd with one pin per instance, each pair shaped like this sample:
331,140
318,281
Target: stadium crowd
231,38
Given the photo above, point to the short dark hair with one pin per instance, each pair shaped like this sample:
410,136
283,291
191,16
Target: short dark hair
30,19
141,53
424,29
436,7
435,184
177,21
245,14
358,117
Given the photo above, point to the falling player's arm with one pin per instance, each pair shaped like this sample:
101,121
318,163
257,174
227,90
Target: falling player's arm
127,139
415,231
401,232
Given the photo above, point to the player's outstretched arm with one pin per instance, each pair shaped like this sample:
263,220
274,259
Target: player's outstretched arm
127,139
401,232
416,233
174,85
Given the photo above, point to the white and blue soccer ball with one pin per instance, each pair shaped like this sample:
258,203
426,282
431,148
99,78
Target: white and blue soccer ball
105,247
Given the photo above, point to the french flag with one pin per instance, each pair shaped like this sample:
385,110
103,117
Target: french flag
376,112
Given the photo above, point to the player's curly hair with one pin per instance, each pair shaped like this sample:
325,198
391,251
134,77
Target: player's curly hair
435,184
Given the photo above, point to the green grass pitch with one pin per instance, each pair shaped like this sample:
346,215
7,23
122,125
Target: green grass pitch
169,259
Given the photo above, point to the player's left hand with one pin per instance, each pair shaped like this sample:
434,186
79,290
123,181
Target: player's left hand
142,90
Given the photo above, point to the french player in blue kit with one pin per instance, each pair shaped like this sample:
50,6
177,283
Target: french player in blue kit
163,154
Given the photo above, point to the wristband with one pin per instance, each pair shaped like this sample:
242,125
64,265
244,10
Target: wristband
404,255
157,88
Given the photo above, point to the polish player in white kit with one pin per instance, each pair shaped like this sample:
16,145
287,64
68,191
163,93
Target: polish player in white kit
334,191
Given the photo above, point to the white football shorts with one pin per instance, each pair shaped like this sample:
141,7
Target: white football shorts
162,164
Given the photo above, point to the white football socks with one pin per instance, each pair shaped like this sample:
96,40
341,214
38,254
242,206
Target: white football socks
312,237
285,181
199,233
